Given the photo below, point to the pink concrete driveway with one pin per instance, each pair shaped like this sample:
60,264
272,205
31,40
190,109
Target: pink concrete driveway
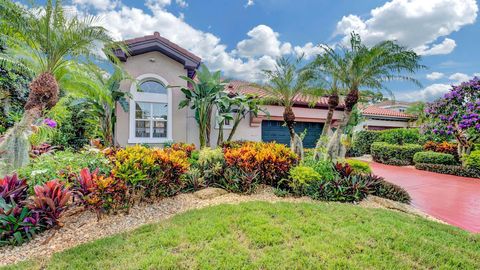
453,199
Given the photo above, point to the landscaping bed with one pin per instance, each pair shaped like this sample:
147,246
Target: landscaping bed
273,236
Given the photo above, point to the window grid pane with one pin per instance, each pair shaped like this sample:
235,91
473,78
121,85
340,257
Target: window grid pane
151,120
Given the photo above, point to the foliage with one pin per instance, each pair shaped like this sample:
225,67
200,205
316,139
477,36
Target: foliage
301,177
391,191
359,166
211,163
17,225
457,114
400,136
239,180
101,193
442,147
194,180
434,158
387,153
44,148
157,171
13,190
203,94
352,188
324,168
61,165
417,109
472,160
272,161
185,147
449,169
343,169
49,202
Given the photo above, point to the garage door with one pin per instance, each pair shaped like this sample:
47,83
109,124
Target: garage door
276,131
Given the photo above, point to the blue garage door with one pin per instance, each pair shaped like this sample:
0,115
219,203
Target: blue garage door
276,131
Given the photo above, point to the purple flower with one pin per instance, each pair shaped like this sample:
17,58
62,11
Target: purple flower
50,122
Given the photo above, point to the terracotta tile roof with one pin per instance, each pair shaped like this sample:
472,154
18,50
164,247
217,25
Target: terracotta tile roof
374,110
156,36
236,86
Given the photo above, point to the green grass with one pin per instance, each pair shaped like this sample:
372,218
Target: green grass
260,235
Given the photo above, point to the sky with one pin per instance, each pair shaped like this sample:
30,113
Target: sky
243,37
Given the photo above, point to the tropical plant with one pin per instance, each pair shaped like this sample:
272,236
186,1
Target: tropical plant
359,166
44,43
417,109
286,82
49,202
99,96
301,176
472,160
13,189
457,114
442,147
17,224
361,66
202,95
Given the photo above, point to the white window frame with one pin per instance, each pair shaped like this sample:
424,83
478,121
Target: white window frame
150,98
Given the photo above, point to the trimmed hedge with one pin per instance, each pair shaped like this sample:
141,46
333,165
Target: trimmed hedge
431,157
363,140
472,161
392,192
449,169
397,154
400,136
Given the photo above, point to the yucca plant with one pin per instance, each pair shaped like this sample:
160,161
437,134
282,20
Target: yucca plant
49,202
43,42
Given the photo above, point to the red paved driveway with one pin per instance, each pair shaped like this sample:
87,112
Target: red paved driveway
453,199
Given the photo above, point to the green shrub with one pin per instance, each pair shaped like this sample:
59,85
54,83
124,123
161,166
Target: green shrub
60,165
400,136
449,169
363,140
434,158
359,166
301,176
211,163
384,152
325,169
472,161
391,191
237,180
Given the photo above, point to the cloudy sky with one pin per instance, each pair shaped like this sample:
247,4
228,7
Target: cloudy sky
242,37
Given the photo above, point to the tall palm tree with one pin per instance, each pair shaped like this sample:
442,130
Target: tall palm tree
371,67
43,42
285,83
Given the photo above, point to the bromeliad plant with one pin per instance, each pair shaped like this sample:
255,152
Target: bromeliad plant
49,202
13,189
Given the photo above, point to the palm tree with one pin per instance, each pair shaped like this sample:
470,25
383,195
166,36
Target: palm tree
43,42
202,95
418,110
100,93
371,67
285,83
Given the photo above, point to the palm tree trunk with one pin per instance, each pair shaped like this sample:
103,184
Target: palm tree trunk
333,101
295,141
234,128
14,149
220,134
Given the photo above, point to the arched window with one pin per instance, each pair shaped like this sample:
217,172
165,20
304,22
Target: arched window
150,110
152,86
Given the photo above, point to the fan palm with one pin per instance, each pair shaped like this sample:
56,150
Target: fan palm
43,42
285,83
371,67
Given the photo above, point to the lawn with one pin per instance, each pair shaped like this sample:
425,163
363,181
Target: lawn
279,236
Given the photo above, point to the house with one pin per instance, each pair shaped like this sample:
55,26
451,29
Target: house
154,117
386,115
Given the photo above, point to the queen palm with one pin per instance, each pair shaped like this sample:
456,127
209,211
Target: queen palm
43,42
371,67
285,83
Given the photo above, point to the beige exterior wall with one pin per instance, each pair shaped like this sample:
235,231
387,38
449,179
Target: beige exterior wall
170,70
381,123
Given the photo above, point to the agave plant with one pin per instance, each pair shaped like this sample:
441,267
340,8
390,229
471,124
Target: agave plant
49,202
12,189
17,224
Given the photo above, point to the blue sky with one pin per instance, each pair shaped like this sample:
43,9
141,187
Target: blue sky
242,37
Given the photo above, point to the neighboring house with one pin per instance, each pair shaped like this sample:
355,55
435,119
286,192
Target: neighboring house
386,115
154,116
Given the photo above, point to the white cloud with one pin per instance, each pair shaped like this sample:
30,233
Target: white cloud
97,4
476,74
262,41
435,76
459,77
417,24
157,4
249,3
181,3
309,50
429,93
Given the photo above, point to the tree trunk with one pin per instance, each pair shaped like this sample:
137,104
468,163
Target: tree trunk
295,141
234,128
14,149
220,134
333,101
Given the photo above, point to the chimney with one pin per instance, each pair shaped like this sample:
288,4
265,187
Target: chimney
156,34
